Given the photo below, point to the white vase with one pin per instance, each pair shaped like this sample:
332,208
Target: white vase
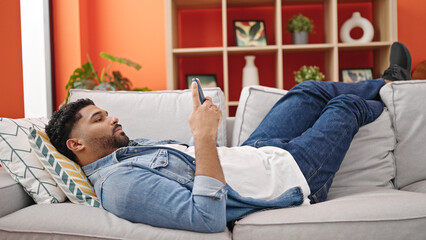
357,21
250,72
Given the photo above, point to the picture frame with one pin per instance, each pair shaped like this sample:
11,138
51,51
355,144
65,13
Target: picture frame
250,33
206,80
354,75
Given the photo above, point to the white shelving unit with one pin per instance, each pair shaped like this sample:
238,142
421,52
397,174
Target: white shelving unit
384,22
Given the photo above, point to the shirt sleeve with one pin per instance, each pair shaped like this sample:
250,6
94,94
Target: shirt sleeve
209,187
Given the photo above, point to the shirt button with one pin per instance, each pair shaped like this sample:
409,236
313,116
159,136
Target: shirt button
222,190
193,162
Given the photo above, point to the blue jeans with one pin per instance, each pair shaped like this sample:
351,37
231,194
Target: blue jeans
316,122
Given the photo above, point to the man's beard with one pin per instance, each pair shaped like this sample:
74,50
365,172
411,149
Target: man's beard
107,144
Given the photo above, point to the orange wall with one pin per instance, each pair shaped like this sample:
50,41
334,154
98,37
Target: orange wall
11,87
133,29
411,31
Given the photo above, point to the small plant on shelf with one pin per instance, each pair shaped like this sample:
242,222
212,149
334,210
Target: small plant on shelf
87,78
300,26
306,73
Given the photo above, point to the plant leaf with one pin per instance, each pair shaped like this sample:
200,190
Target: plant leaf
120,60
241,31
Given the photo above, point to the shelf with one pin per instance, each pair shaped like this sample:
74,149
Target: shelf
214,50
251,50
197,51
307,47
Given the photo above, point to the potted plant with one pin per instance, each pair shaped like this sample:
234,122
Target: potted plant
86,77
308,73
300,26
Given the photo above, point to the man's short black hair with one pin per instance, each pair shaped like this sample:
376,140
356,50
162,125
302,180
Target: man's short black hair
62,122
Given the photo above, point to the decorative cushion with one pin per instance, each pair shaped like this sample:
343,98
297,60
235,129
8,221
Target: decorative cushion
369,161
69,176
255,102
21,163
406,103
156,115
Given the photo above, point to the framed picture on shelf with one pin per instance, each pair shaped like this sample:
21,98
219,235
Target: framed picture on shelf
206,80
354,75
250,33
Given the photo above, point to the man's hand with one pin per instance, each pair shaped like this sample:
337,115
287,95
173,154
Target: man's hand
204,122
205,118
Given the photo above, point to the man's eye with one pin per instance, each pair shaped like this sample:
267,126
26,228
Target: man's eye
98,120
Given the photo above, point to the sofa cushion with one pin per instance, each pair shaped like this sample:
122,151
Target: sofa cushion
406,103
369,161
72,221
13,197
350,213
20,162
156,115
66,173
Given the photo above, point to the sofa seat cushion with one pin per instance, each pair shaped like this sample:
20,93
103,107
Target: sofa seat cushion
13,197
72,221
350,213
156,115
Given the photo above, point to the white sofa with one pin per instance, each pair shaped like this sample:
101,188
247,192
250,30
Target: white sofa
378,193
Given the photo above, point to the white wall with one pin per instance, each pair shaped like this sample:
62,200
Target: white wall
36,61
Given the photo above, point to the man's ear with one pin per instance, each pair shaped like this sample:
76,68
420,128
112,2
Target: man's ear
74,145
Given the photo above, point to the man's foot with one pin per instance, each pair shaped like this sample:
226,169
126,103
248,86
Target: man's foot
400,63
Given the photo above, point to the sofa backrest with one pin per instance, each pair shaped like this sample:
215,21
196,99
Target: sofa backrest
406,102
369,160
156,115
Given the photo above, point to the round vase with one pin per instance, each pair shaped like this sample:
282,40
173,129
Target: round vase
250,72
357,21
300,38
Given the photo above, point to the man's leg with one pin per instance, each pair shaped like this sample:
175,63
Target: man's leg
298,110
320,150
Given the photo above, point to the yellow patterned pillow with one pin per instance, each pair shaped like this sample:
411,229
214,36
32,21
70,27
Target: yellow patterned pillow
68,174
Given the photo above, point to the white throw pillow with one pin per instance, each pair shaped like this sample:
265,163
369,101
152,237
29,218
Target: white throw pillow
369,161
156,115
18,159
406,103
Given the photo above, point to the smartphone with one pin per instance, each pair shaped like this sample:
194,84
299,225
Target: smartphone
200,91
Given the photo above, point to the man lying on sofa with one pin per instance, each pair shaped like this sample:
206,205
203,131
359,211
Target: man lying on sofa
289,160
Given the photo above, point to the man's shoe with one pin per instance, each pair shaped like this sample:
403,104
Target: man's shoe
400,63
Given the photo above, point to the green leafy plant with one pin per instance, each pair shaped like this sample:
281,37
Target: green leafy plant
300,23
86,77
308,73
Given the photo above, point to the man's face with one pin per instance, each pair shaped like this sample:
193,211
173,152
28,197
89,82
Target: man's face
99,132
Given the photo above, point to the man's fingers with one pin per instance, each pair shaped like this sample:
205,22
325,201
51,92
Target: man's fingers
195,99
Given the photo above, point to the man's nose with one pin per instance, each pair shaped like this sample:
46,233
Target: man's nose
114,120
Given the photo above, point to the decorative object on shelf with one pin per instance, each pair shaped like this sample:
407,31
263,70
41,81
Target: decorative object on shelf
250,33
86,77
206,80
306,73
356,75
357,21
250,72
300,26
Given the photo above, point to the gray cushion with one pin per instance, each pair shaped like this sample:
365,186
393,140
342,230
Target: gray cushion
369,161
416,187
351,213
13,197
156,115
406,103
71,221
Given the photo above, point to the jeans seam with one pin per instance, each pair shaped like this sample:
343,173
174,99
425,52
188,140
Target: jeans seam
323,186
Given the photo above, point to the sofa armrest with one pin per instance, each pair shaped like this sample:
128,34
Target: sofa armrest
13,197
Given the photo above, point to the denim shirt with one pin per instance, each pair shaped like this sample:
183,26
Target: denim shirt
156,185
